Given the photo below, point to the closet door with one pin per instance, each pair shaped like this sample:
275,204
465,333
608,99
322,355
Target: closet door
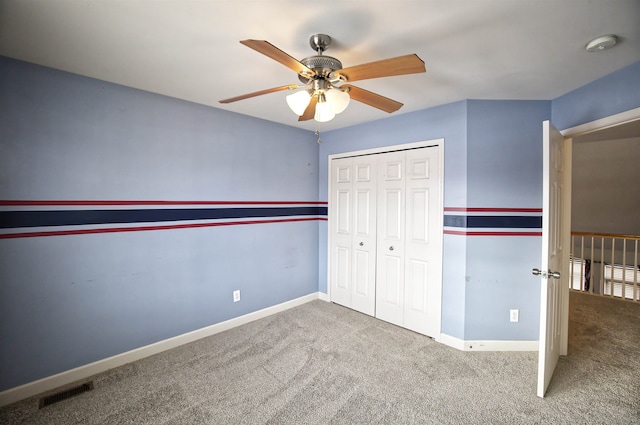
363,295
409,269
341,231
423,258
386,236
353,199
391,238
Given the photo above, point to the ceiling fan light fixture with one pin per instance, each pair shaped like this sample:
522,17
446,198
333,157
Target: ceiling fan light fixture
299,101
324,112
324,94
338,99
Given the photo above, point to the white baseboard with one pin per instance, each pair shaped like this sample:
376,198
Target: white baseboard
323,297
488,345
83,372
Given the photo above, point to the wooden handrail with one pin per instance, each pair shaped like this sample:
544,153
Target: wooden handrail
606,235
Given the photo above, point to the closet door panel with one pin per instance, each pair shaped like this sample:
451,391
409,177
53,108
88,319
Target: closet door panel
391,219
342,232
343,212
363,225
393,288
362,264
417,216
416,290
390,290
364,276
393,210
422,294
364,238
342,268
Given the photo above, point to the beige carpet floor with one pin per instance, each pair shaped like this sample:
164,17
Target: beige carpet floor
321,363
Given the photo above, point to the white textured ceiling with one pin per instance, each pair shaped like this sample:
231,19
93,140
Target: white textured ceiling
473,49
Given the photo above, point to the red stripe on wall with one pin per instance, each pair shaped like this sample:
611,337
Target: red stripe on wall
58,203
145,228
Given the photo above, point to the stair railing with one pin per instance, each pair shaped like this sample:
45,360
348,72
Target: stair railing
605,264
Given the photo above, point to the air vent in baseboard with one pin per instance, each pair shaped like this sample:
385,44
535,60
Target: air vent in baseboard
63,395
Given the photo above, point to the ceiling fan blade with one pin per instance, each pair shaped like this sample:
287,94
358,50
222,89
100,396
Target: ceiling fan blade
260,93
408,64
310,112
276,54
373,99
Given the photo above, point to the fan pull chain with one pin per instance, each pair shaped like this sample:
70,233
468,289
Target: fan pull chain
318,134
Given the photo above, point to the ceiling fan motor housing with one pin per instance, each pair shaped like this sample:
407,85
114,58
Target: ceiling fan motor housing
321,65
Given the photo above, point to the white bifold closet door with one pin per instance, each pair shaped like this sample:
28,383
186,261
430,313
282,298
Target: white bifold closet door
408,287
386,251
353,250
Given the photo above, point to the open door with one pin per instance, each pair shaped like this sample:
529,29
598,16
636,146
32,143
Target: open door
553,294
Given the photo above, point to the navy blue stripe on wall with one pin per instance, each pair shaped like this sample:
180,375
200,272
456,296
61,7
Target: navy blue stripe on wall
496,222
17,219
455,221
38,218
500,221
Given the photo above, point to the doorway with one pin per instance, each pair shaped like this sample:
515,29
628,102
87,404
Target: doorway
623,125
620,125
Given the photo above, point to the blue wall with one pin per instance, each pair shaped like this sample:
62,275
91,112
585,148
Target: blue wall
612,94
504,146
66,301
505,152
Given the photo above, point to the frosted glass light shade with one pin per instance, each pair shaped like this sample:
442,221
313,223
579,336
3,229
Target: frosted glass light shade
298,102
338,99
324,112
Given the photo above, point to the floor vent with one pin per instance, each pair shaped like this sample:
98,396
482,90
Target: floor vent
63,395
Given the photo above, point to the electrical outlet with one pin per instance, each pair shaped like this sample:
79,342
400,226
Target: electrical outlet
513,315
236,296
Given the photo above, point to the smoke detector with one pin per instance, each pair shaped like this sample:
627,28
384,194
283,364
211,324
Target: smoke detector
602,43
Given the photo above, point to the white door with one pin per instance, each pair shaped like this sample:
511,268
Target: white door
386,235
553,296
341,231
410,240
391,238
423,245
353,199
363,294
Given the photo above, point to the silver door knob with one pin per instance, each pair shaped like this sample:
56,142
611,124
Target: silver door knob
391,248
546,275
361,243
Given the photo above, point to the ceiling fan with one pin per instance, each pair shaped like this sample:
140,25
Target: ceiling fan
324,82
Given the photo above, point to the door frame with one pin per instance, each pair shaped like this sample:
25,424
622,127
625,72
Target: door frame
373,151
569,134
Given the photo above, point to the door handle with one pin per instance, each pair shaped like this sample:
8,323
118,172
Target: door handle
361,244
546,275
